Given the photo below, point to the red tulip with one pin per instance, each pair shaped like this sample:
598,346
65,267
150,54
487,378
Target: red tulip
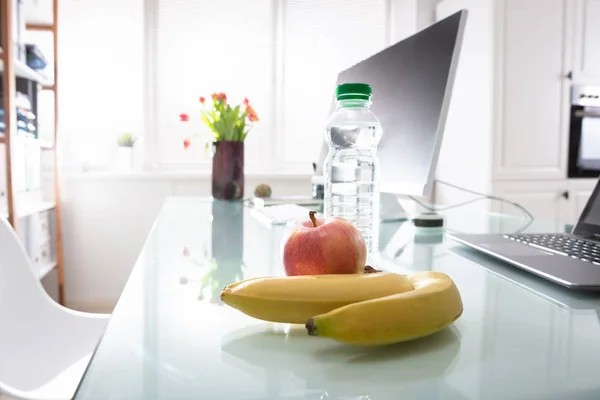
202,99
186,143
246,101
253,117
184,117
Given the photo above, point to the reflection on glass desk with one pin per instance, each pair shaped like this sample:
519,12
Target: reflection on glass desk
171,338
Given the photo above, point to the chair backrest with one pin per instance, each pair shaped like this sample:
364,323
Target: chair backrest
20,286
27,313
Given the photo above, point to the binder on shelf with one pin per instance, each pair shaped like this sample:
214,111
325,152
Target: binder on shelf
35,58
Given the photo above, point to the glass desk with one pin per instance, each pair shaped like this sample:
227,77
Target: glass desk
170,337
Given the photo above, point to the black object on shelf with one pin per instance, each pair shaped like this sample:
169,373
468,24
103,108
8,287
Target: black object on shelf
26,107
35,58
29,89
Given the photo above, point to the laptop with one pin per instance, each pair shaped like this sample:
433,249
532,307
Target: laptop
568,259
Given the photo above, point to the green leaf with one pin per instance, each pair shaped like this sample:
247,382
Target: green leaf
226,122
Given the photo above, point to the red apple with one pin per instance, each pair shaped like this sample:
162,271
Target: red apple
324,246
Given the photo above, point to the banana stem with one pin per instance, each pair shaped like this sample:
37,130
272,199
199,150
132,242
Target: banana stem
311,214
311,328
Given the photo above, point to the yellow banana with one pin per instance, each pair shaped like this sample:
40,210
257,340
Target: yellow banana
294,299
434,304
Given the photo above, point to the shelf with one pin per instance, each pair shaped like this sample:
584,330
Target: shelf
44,144
39,27
23,71
27,208
45,269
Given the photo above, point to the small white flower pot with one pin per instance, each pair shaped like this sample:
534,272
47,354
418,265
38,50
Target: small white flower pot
124,159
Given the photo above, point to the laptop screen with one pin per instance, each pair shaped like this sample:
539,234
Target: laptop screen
589,220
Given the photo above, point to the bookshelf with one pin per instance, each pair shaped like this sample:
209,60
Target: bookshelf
29,169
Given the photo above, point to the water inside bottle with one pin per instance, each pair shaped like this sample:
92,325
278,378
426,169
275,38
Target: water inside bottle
353,170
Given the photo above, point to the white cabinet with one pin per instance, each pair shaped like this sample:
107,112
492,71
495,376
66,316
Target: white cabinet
580,198
510,104
586,60
532,103
560,200
579,191
545,200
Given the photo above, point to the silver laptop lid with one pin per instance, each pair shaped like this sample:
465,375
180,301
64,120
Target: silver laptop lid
589,220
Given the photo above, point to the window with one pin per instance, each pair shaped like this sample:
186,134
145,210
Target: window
99,78
284,55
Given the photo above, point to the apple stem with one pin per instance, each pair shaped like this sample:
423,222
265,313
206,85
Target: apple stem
311,214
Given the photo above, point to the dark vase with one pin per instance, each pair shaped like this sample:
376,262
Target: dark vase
228,170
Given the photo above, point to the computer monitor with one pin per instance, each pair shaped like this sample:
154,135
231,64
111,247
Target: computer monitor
412,83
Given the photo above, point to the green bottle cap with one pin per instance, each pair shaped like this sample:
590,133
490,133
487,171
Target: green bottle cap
349,91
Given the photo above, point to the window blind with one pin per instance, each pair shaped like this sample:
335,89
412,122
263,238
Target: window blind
284,55
204,47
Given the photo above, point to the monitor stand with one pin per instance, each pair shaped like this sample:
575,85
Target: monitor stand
390,209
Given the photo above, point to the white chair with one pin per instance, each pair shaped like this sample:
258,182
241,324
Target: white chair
44,347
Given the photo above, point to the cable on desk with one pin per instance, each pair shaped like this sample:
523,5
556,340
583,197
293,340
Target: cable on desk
430,208
528,217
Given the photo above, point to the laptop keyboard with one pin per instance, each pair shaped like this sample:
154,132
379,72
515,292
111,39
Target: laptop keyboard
569,246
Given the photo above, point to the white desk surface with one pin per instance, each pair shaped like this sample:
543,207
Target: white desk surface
170,338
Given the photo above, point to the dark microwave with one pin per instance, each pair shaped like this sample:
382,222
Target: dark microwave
584,132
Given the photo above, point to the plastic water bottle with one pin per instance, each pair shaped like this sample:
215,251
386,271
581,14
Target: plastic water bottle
352,170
